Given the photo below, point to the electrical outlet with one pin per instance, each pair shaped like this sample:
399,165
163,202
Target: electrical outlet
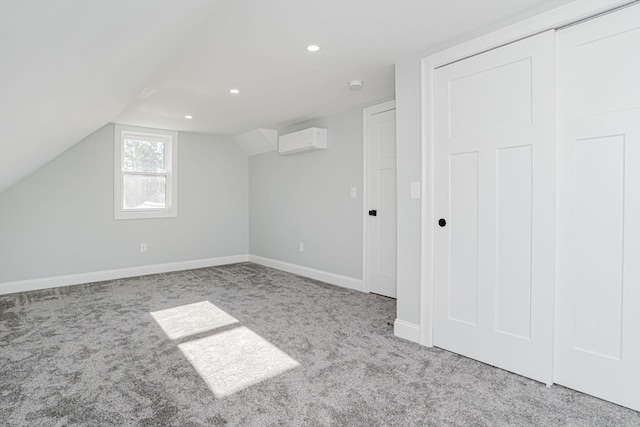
301,247
143,247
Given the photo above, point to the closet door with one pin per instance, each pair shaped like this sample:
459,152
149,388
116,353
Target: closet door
495,202
597,347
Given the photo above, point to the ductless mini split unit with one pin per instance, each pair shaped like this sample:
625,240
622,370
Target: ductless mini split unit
303,141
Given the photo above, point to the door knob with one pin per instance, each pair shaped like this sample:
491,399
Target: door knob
442,222
373,212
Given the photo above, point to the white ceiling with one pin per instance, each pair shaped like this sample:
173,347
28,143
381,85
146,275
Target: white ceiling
69,67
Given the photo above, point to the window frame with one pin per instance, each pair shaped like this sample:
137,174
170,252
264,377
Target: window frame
171,163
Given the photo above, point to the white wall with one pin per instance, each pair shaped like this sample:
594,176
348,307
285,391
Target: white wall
306,198
59,220
408,146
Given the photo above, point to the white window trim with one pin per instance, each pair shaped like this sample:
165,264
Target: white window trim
171,198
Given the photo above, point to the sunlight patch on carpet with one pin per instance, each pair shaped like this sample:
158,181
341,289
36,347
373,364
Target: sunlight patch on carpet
228,360
236,359
191,319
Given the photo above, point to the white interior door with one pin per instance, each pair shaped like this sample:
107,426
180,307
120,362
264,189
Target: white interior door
494,187
380,141
598,288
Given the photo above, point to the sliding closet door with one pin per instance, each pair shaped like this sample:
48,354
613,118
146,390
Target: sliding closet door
598,290
495,206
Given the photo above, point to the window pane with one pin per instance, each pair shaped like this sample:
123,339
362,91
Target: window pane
144,192
141,155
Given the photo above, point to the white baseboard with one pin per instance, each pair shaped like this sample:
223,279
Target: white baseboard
407,330
121,273
324,276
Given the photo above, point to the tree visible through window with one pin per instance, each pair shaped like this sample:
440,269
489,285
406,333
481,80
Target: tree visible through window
146,172
145,184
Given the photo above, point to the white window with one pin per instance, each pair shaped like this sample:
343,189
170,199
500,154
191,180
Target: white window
146,173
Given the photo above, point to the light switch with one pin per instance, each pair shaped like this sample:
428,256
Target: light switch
415,190
354,192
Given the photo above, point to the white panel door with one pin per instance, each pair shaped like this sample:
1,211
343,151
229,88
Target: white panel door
494,187
381,201
598,288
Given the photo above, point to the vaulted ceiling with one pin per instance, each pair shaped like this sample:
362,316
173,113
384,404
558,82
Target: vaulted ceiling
68,67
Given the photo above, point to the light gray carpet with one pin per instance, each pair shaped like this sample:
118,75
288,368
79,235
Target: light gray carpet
93,355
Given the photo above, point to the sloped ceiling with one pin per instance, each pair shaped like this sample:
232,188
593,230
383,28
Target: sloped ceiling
69,67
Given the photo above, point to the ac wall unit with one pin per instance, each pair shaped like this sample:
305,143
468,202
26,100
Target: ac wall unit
302,141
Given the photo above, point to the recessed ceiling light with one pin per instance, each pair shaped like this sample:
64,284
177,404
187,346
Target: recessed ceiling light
313,48
234,91
188,117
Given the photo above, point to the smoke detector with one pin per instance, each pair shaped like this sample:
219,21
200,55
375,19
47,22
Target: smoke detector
355,84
